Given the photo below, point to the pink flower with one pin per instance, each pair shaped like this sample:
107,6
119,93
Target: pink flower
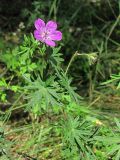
47,33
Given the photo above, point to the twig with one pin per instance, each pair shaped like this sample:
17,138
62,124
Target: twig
26,156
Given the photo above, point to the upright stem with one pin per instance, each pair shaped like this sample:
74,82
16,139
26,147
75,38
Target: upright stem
72,59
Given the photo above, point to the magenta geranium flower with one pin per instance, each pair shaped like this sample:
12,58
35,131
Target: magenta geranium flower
47,33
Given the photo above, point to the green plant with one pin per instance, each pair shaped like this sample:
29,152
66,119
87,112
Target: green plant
111,141
36,76
115,80
5,146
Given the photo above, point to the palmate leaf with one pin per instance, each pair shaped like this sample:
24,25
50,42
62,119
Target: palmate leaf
71,130
27,50
74,130
65,82
55,58
76,135
29,44
42,93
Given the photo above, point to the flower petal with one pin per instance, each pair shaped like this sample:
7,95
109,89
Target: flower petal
37,35
50,43
51,26
39,23
57,36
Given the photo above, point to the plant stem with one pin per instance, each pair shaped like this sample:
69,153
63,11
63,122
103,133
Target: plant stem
72,59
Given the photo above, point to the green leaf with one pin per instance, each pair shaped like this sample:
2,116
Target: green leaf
43,92
65,82
55,58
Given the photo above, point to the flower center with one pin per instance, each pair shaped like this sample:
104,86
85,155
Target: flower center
45,35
